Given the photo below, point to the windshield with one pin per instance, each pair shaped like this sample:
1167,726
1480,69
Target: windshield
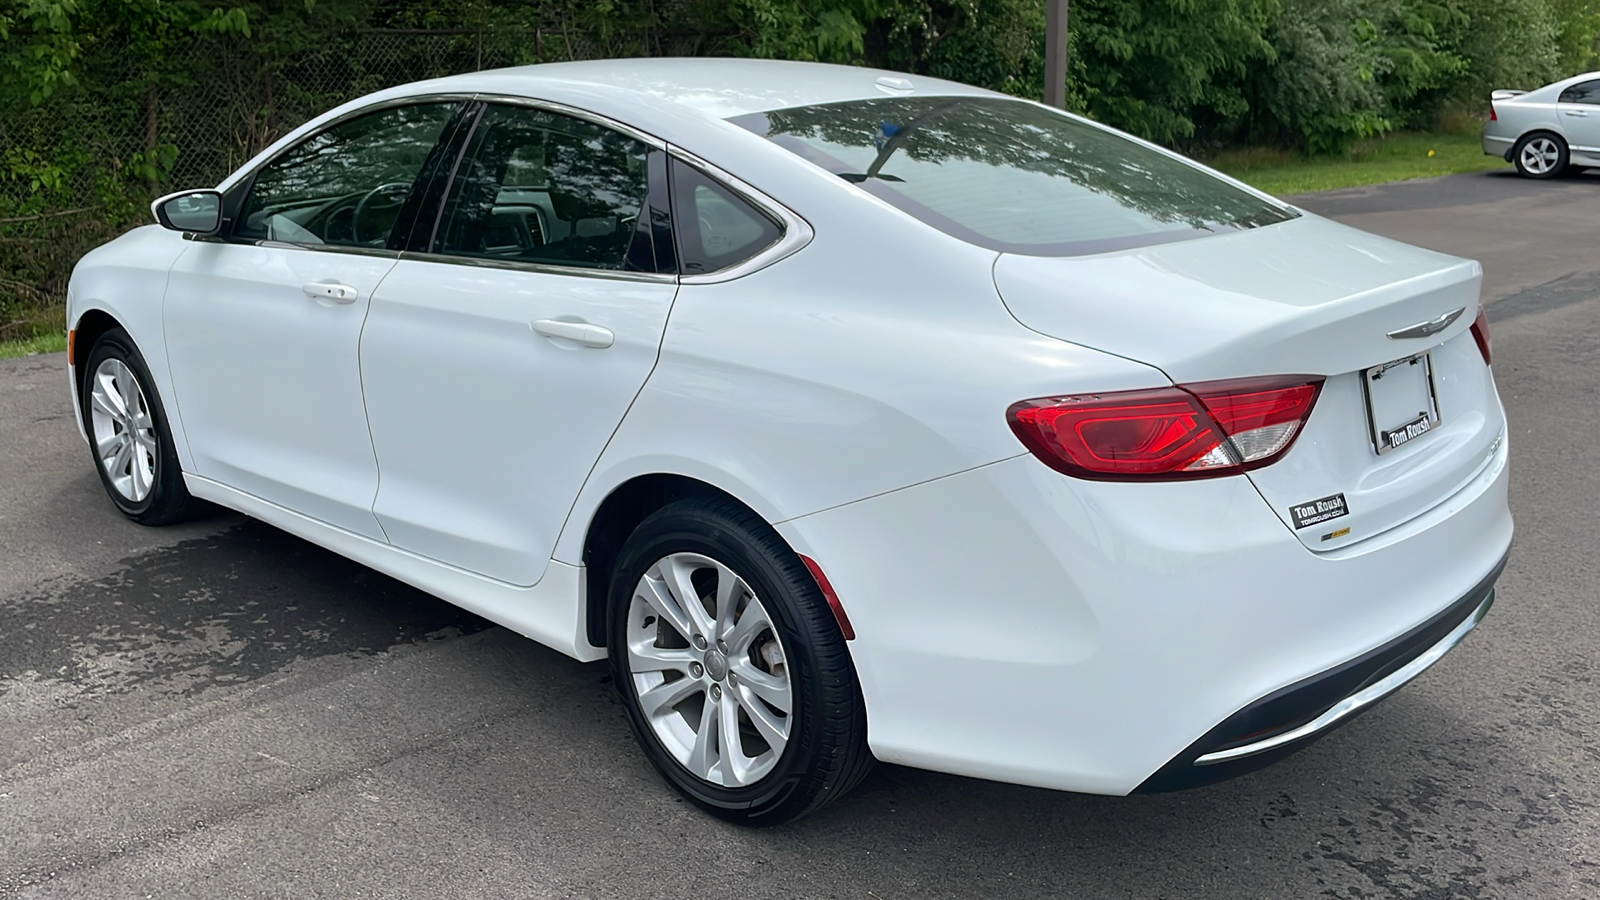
1013,176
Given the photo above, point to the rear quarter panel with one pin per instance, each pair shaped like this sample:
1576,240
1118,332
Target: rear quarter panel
877,357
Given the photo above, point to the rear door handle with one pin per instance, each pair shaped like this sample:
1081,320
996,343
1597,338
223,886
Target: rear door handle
581,333
338,293
1576,112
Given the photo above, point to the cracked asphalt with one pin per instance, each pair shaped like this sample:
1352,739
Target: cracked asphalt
221,710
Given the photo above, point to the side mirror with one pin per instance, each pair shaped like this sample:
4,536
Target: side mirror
195,212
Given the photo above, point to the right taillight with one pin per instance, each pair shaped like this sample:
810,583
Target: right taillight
1480,333
1168,434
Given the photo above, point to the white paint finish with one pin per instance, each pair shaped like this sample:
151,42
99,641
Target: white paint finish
1308,296
1088,632
1014,623
484,429
1334,453
548,612
126,279
268,377
831,376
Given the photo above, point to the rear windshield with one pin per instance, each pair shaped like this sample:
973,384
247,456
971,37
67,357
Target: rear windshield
1013,176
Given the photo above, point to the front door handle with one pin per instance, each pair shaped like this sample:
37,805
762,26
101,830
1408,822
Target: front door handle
338,293
581,333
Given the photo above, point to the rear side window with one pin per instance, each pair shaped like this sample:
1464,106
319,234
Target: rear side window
1013,176
715,227
1582,92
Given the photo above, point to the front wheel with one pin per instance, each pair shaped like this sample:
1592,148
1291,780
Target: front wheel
129,435
1540,155
733,670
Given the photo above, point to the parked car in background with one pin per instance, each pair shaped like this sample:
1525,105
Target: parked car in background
1548,131
853,415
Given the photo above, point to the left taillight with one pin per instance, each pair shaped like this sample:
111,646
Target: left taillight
1190,431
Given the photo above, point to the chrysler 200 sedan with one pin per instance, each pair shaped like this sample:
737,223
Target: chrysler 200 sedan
853,415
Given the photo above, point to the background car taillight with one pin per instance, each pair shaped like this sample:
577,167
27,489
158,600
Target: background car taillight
1168,434
1480,333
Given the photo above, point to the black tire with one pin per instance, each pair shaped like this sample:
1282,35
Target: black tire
168,500
826,753
1563,155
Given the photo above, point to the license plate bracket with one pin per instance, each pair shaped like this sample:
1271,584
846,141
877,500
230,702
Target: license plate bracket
1402,401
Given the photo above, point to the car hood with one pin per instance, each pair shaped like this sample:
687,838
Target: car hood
1306,296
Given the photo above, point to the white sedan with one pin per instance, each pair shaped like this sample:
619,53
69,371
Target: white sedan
853,415
1547,131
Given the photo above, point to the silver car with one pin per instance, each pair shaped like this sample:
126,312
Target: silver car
1546,131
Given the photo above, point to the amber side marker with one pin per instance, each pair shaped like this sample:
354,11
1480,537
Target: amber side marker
72,340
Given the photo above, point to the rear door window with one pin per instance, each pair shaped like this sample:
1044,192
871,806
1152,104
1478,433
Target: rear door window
1586,92
536,186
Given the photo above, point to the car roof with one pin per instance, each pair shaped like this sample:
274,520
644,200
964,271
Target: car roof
721,88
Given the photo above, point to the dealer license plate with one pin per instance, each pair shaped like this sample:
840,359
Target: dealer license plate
1402,404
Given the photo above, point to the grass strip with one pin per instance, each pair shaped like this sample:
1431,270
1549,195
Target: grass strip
1396,157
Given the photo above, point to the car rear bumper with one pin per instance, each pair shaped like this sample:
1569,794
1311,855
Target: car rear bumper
1018,625
1498,145
1290,719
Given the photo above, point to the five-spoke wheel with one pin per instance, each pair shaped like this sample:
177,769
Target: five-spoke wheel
1540,155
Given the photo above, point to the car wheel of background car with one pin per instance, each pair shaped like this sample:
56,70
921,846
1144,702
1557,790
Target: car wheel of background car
734,672
128,434
1540,155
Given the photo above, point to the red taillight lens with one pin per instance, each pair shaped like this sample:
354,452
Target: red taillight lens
1480,333
1193,431
1492,116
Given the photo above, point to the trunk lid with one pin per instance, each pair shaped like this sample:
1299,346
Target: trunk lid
1308,296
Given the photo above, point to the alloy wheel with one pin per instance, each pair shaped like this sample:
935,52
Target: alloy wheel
123,430
709,670
1540,155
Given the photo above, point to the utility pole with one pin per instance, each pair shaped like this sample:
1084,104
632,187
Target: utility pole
1055,53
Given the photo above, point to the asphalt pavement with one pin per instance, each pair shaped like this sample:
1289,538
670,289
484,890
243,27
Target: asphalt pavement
219,710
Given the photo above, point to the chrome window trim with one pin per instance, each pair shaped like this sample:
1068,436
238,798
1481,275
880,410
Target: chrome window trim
248,180
576,113
797,232
236,179
514,265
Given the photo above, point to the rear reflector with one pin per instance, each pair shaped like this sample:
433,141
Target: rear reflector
1480,333
1168,434
832,599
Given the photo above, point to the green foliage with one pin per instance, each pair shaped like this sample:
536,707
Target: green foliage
37,48
1154,66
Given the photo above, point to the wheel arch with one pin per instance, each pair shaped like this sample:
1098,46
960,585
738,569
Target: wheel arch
89,327
615,518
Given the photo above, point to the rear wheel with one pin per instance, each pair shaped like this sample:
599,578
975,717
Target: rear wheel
129,436
734,673
1540,155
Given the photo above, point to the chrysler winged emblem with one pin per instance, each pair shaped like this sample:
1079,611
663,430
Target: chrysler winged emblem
1432,326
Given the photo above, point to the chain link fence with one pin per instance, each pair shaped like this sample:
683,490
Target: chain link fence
83,167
